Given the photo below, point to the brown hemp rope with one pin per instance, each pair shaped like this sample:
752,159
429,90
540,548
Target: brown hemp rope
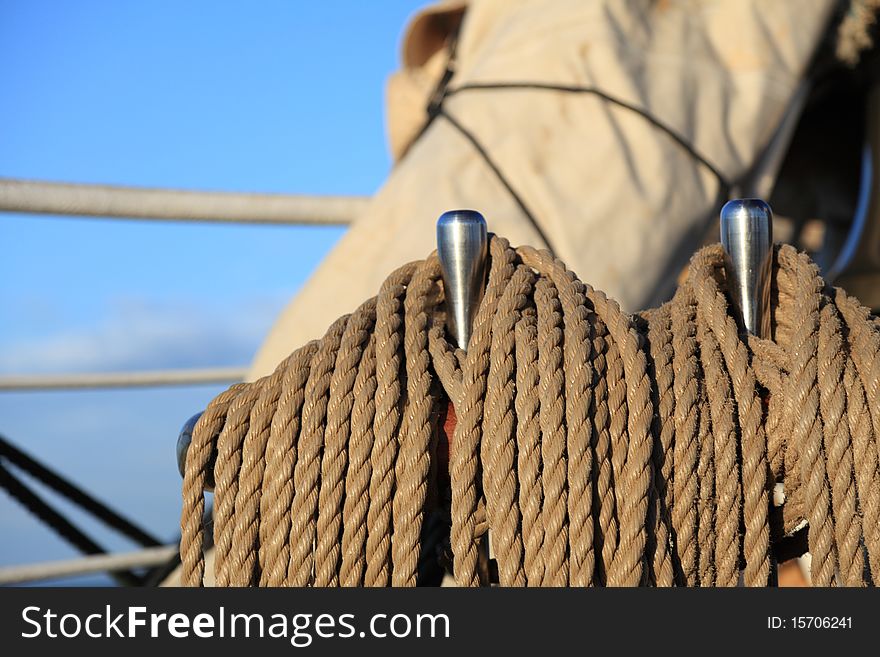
596,448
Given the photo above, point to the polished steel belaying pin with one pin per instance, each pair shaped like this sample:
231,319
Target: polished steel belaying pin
183,442
747,238
184,438
462,247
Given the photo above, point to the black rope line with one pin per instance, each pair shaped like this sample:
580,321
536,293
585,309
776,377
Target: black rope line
58,523
76,495
578,89
442,91
467,134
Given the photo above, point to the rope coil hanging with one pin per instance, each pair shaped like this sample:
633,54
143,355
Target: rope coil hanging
595,448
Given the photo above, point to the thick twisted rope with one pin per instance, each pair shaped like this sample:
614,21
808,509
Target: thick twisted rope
595,448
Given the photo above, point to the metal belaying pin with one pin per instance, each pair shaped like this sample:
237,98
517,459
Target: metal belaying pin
183,441
747,238
462,248
462,245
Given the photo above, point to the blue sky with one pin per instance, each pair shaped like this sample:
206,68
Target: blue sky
263,96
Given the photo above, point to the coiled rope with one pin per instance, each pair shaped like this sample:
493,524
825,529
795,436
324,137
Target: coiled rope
855,33
596,448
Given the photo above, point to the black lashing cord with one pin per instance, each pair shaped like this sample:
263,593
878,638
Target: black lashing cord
58,523
18,490
76,495
442,91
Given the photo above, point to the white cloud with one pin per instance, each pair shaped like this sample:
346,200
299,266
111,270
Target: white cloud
146,334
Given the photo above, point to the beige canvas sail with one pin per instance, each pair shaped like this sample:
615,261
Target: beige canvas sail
611,193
